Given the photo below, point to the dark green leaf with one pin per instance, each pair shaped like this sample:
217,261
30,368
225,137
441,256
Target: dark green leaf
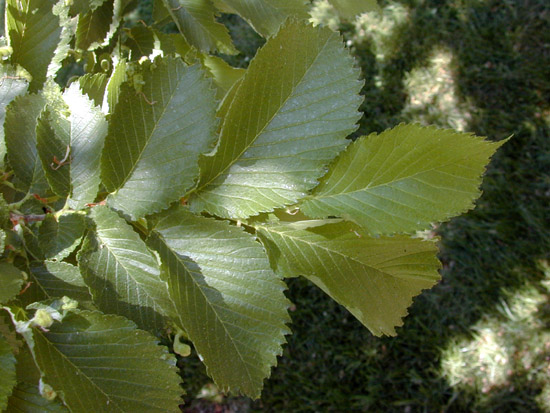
7,371
58,279
11,281
60,235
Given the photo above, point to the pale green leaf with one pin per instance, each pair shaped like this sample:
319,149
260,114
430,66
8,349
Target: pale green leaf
60,235
266,16
287,120
348,9
229,301
196,21
68,24
27,399
118,77
12,84
155,137
94,85
11,281
100,363
57,279
7,372
2,241
374,278
123,276
35,32
224,75
20,128
403,179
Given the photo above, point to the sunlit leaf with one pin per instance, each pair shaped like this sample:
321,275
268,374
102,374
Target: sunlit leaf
287,120
403,179
374,278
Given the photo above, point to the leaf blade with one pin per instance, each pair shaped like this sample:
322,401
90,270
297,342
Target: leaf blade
279,132
7,372
403,179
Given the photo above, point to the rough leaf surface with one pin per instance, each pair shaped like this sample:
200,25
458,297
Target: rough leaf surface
123,276
11,281
57,279
287,120
230,302
374,278
155,137
403,179
59,236
101,363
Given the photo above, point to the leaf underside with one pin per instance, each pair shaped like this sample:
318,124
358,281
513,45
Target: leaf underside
374,278
230,302
287,120
403,179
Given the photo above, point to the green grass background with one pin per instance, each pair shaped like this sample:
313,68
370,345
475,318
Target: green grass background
480,340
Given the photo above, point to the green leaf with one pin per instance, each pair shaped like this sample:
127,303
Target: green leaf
12,84
100,363
84,6
196,21
57,279
161,15
27,399
35,33
140,41
11,281
60,235
266,16
288,119
224,75
94,86
94,25
155,137
118,77
20,128
7,372
229,301
348,9
403,179
374,278
123,276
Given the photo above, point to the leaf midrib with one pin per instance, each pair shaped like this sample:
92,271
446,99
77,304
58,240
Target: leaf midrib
267,123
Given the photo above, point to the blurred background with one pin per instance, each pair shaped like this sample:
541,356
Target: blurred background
480,340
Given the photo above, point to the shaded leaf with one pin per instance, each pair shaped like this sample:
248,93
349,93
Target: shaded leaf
20,128
27,399
59,236
196,21
266,16
155,137
57,279
229,301
100,362
403,179
288,119
7,371
94,25
224,75
123,276
140,41
11,281
118,77
374,278
94,86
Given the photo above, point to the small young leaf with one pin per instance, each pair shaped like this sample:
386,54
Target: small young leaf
403,179
35,33
59,236
7,371
374,278
266,16
155,137
11,281
98,362
288,119
123,276
229,301
12,84
196,21
57,279
20,128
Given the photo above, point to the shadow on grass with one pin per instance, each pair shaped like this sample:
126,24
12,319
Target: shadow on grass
501,61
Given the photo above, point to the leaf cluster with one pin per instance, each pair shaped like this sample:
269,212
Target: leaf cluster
166,194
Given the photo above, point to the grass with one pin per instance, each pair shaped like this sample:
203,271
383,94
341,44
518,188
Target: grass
479,341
